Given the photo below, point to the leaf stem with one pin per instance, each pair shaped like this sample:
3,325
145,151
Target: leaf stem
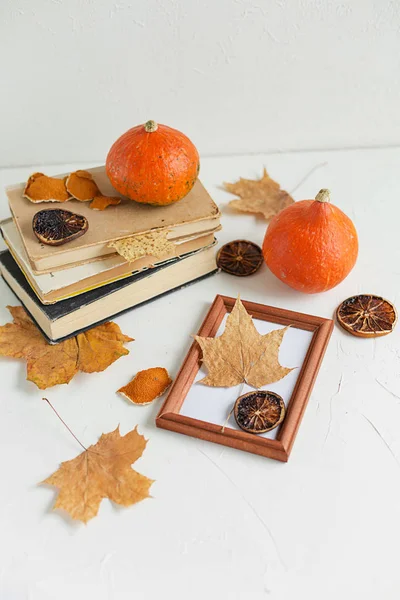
64,423
233,408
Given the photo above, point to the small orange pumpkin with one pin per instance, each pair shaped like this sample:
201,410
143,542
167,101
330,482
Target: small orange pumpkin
311,245
153,164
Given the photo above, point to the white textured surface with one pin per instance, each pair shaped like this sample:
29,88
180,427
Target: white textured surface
234,75
223,523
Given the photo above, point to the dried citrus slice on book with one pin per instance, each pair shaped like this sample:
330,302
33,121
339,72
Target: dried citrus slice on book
240,258
259,412
367,315
57,226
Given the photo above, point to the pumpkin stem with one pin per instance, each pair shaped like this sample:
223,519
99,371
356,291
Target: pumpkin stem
323,196
150,126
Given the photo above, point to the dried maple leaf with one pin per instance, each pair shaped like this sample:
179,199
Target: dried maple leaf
41,188
147,244
147,385
263,196
81,186
241,354
102,471
101,202
49,365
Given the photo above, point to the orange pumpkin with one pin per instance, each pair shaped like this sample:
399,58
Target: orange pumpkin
153,164
311,245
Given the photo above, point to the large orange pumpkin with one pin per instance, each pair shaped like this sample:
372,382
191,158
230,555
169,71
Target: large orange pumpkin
153,164
311,245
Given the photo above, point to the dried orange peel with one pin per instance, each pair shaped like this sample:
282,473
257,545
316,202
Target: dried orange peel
81,186
146,386
41,188
101,202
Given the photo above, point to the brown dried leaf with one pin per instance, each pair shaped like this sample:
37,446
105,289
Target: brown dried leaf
147,244
260,196
99,347
81,186
41,188
102,471
49,365
146,386
241,354
102,202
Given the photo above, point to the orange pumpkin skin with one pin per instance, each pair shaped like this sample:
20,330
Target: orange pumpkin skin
311,245
153,164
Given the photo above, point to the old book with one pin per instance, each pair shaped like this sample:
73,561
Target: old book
68,317
59,285
193,215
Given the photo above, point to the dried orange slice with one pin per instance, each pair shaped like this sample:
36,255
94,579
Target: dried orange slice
81,186
146,386
57,226
240,258
259,412
41,188
367,315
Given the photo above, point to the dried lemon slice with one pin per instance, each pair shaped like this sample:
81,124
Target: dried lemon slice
367,315
240,258
57,226
259,412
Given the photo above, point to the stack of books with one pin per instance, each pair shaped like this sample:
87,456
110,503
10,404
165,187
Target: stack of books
75,286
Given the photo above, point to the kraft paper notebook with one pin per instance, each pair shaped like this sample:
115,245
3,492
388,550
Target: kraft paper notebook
196,213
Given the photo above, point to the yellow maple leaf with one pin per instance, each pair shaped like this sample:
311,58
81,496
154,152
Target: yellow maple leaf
241,354
49,365
260,196
102,471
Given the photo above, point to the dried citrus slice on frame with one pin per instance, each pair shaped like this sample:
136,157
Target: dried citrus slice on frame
259,411
367,315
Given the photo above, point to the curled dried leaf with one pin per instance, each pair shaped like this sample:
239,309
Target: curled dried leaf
147,385
102,202
41,188
259,196
49,365
81,186
148,244
102,471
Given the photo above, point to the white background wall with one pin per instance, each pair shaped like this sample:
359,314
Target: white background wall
237,76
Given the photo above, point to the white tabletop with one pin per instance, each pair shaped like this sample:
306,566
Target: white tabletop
223,523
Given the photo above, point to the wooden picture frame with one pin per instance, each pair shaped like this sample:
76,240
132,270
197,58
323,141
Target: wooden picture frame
280,448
